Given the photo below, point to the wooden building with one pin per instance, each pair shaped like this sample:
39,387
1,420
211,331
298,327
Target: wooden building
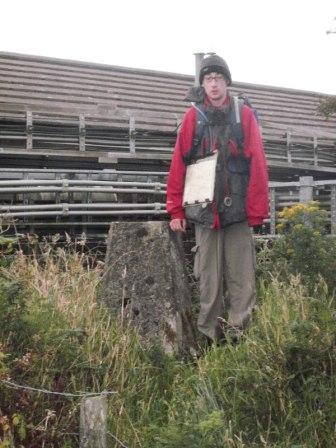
82,143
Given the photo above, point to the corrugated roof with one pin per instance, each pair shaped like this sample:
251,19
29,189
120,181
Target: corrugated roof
109,95
42,81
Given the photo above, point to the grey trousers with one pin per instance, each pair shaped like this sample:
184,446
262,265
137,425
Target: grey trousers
225,266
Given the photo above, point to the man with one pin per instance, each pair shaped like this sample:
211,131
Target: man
224,253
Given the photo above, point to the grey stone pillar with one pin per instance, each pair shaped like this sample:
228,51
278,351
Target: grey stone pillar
306,188
145,281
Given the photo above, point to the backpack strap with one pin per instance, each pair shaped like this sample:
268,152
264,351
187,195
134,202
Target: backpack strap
201,122
247,102
235,121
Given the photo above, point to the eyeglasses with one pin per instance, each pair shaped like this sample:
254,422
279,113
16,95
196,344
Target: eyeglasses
216,78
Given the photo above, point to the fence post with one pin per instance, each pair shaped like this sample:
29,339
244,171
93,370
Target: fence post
333,209
29,130
272,212
315,143
306,188
81,132
289,146
132,133
93,422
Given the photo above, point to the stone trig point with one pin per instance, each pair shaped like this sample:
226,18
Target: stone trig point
146,282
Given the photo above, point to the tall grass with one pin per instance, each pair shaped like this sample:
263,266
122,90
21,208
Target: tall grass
57,337
276,388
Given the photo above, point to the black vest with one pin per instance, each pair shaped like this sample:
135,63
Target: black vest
214,128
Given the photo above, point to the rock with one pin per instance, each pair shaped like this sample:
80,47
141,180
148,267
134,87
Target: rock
146,282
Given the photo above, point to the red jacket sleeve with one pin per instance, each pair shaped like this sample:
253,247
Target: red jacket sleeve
257,202
175,182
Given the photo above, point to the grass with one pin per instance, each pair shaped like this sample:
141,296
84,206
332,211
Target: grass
275,389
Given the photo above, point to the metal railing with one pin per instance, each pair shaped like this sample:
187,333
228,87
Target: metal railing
84,133
96,197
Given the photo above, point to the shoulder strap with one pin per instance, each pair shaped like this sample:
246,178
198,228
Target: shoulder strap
200,123
235,121
247,102
237,103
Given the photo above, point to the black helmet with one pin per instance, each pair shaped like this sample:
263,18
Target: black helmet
214,63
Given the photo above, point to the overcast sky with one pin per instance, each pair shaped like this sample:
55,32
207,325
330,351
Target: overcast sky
273,42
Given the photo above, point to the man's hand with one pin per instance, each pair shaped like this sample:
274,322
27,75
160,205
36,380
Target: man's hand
178,225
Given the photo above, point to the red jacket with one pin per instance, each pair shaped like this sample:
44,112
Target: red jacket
257,204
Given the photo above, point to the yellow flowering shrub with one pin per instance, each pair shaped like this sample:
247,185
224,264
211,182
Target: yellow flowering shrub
303,246
302,216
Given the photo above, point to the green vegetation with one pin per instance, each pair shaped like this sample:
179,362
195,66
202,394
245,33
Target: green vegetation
327,106
303,247
276,388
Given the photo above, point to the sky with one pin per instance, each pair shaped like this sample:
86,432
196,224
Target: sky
280,43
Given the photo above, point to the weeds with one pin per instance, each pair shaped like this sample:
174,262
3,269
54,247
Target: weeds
274,389
301,248
269,390
58,338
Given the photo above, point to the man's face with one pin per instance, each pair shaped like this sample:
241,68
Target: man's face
215,86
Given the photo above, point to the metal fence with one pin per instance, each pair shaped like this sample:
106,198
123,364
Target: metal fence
87,198
95,132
